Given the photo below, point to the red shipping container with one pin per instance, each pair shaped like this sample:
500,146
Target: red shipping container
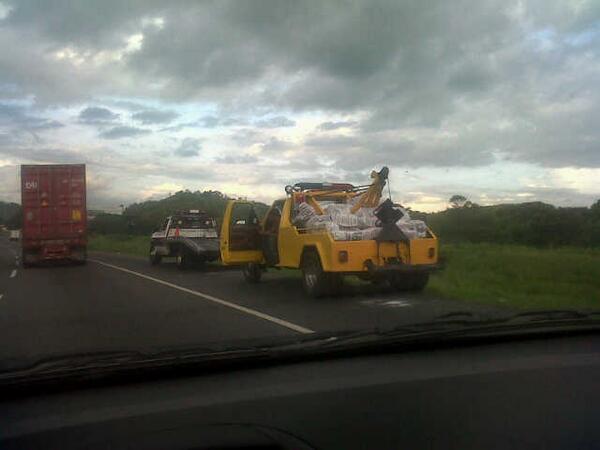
53,199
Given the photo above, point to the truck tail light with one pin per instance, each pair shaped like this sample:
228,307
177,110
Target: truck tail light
343,256
431,252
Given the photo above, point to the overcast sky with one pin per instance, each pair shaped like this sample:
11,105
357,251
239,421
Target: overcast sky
495,100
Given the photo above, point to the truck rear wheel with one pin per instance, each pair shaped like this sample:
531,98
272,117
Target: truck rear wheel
419,281
155,258
182,259
79,256
25,264
317,282
252,272
29,259
409,282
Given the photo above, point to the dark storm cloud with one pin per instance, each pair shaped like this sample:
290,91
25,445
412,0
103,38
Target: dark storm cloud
18,117
210,121
129,105
92,23
401,65
97,115
181,126
329,126
154,116
42,154
275,122
222,121
188,148
362,152
122,132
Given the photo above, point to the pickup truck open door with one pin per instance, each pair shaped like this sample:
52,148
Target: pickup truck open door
240,234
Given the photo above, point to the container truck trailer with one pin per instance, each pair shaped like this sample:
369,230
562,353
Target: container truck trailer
53,199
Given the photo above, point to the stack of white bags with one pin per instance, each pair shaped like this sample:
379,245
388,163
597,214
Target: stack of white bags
343,225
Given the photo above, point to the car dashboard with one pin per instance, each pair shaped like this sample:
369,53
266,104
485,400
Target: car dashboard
535,393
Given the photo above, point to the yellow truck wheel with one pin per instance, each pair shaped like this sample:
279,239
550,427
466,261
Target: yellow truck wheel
409,281
419,281
317,282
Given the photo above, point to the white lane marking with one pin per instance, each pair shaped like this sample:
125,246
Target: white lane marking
252,312
387,303
1,295
397,303
13,273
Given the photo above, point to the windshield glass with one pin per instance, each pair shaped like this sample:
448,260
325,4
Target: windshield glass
224,175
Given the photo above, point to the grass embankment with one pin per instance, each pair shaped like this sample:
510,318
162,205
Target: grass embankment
518,276
515,276
117,243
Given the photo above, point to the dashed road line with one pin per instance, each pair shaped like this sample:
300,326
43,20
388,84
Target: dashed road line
252,312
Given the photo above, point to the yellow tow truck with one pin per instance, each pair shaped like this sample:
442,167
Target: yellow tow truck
278,241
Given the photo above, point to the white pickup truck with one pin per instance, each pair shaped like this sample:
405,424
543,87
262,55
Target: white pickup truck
188,236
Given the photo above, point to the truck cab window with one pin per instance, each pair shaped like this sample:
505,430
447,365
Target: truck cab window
244,228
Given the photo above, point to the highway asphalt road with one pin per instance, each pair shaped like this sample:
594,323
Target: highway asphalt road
118,302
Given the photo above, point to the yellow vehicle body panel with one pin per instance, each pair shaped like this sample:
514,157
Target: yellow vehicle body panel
235,257
292,242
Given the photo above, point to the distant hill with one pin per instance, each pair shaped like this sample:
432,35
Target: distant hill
143,217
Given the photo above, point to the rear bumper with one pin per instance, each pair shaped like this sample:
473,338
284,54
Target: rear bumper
402,268
52,252
202,247
358,256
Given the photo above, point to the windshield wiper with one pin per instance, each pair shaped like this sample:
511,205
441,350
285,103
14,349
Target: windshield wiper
444,329
92,365
467,324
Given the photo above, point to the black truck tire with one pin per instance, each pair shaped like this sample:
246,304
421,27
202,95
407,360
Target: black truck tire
79,256
155,258
315,281
413,282
336,283
182,259
82,261
252,272
25,264
419,281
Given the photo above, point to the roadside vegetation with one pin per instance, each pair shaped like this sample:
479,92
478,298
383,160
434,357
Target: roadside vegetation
519,276
120,243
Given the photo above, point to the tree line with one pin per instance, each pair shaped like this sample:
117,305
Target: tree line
533,223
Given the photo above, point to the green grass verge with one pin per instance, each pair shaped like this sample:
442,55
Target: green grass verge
132,245
521,277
